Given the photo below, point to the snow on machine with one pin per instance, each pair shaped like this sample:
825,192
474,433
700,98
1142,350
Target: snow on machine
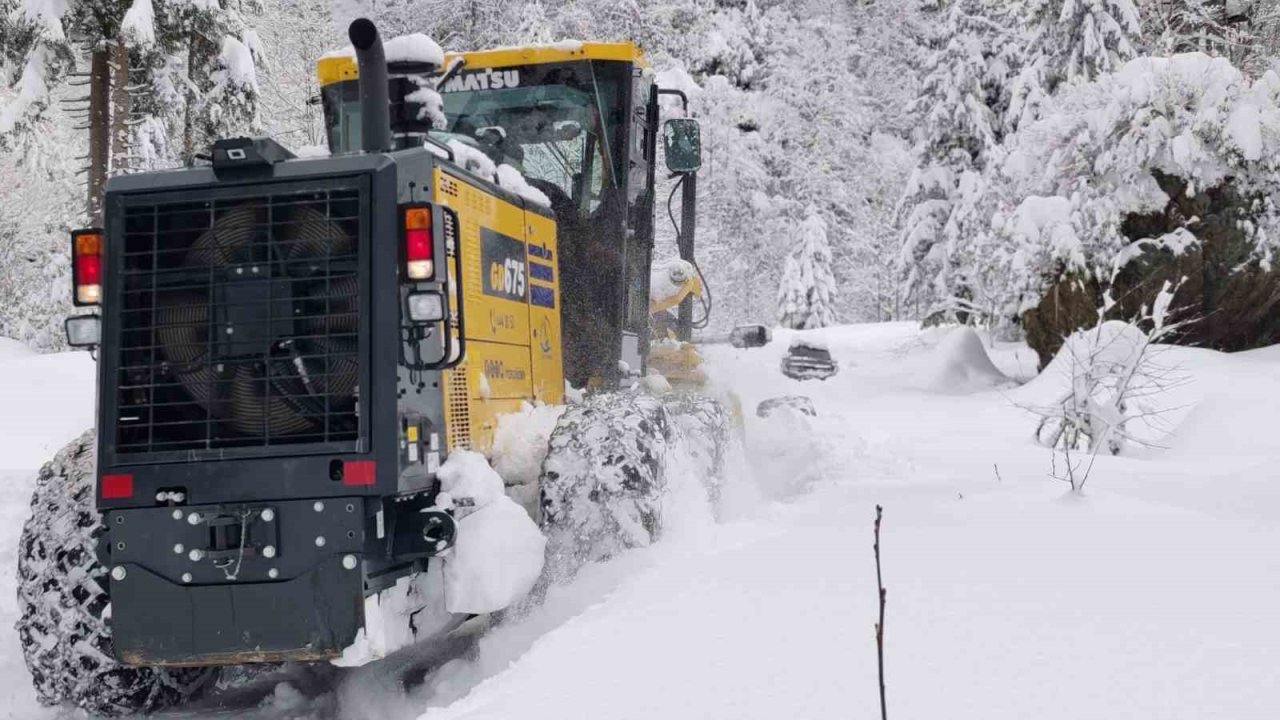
300,358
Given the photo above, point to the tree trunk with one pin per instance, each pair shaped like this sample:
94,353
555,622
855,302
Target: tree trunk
120,107
188,117
99,131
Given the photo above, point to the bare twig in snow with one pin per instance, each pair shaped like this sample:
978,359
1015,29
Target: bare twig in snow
884,712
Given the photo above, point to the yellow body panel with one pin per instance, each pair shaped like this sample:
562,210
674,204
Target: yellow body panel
511,311
544,318
336,68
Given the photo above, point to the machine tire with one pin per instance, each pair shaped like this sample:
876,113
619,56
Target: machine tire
605,475
603,479
705,429
64,627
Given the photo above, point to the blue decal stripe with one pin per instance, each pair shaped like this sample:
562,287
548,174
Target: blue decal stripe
540,252
542,272
542,296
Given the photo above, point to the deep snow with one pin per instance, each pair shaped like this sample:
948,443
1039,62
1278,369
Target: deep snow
1152,596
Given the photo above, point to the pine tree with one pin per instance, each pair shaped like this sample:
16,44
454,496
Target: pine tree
1072,39
147,63
961,100
1243,31
807,293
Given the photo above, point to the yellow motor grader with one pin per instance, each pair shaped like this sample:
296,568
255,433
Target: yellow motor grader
291,349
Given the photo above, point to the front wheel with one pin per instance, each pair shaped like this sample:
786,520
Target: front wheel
65,604
605,476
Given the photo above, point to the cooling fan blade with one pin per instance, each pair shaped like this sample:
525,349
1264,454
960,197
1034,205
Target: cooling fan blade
306,370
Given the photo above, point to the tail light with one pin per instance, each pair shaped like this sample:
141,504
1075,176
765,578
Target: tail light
419,247
116,486
86,266
359,472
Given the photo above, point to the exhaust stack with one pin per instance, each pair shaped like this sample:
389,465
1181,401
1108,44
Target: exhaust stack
375,113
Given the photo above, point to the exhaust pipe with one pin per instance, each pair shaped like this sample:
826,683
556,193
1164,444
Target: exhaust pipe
375,105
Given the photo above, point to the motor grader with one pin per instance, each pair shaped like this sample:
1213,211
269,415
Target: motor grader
289,350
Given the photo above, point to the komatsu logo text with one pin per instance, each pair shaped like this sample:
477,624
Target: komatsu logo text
487,79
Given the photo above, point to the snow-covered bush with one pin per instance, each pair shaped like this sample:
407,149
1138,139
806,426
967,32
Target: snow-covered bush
1143,157
1113,384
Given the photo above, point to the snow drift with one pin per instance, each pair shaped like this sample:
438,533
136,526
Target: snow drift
960,364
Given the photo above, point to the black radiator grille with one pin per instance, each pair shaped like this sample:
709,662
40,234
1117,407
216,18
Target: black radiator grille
239,321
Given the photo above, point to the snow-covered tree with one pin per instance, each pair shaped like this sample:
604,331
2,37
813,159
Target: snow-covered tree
1163,169
1071,39
808,290
1243,31
961,99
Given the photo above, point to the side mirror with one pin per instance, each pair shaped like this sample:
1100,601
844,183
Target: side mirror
750,336
682,138
84,331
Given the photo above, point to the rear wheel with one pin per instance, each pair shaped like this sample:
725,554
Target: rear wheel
65,608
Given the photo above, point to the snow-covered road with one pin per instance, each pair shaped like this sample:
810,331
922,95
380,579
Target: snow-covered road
1152,597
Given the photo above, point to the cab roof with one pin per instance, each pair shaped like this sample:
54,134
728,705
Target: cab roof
339,67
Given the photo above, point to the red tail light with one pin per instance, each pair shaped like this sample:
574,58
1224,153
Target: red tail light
359,472
116,487
419,248
86,266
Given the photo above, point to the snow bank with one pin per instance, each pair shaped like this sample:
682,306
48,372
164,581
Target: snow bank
48,401
10,348
960,365
499,552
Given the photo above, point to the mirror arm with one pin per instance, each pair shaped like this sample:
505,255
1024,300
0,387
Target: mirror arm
684,99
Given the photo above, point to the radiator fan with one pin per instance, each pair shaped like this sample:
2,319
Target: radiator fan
292,368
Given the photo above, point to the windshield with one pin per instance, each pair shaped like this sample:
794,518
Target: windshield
560,124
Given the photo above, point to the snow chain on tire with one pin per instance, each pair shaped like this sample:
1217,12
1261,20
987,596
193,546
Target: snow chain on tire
604,476
65,610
